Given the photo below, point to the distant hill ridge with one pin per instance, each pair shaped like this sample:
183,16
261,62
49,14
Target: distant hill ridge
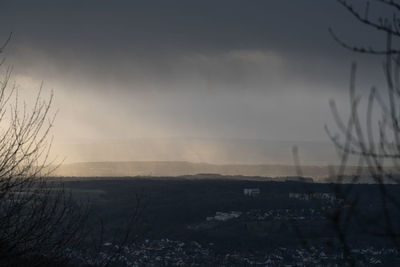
181,168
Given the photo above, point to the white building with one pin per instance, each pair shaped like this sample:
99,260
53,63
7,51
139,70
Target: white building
251,192
224,216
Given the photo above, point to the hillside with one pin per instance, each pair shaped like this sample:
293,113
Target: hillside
180,168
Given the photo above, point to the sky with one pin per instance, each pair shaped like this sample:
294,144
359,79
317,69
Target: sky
187,70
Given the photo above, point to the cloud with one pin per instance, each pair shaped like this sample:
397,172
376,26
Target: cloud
229,68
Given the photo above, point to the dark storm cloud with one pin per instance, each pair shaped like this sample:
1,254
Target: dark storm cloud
141,40
168,25
208,68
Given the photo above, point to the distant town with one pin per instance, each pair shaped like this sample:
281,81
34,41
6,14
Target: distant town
167,252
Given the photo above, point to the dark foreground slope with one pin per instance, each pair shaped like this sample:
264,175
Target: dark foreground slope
218,212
